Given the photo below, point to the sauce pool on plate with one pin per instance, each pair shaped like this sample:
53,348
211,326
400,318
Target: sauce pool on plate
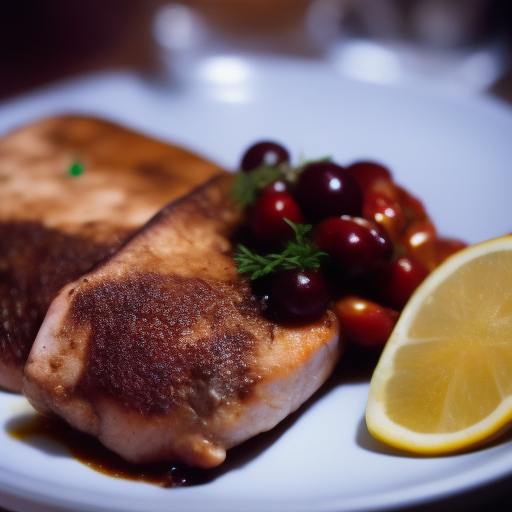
89,451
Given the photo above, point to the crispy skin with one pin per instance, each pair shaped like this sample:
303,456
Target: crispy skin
163,351
54,227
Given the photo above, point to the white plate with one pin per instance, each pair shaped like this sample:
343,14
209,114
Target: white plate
454,153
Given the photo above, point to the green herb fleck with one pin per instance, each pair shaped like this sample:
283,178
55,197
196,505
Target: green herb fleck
305,162
302,253
76,169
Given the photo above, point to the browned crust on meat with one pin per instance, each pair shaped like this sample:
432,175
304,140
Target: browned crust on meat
157,342
35,263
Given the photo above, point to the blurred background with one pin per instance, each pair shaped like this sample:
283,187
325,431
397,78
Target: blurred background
463,45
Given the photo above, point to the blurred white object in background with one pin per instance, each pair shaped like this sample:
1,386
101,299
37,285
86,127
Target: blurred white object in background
193,57
189,33
456,45
368,61
178,27
226,78
181,34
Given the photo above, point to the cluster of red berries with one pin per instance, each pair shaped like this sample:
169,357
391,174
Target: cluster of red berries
379,240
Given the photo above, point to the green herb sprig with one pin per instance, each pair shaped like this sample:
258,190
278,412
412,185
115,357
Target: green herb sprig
247,185
301,253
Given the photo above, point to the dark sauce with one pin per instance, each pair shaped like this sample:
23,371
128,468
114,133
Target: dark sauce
356,365
89,451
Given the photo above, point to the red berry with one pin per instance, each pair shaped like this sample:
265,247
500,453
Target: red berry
267,218
276,186
364,322
325,189
433,252
418,238
373,178
299,295
385,211
412,207
420,241
264,153
355,245
445,247
397,283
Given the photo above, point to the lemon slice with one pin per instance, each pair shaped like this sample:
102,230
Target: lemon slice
444,380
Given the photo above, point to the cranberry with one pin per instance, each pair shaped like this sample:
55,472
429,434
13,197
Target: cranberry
364,322
276,186
385,211
373,178
412,207
325,189
432,253
420,232
355,245
261,287
396,285
267,218
445,247
264,153
299,295
418,238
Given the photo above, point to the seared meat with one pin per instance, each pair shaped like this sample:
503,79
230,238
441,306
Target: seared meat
164,353
54,225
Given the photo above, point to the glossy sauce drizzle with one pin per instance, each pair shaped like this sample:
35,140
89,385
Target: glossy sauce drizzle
89,451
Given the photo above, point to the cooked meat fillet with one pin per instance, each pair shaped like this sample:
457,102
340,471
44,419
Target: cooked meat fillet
164,353
54,226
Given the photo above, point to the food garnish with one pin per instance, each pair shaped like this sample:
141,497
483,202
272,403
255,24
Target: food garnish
354,232
444,380
77,168
298,291
301,254
247,186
